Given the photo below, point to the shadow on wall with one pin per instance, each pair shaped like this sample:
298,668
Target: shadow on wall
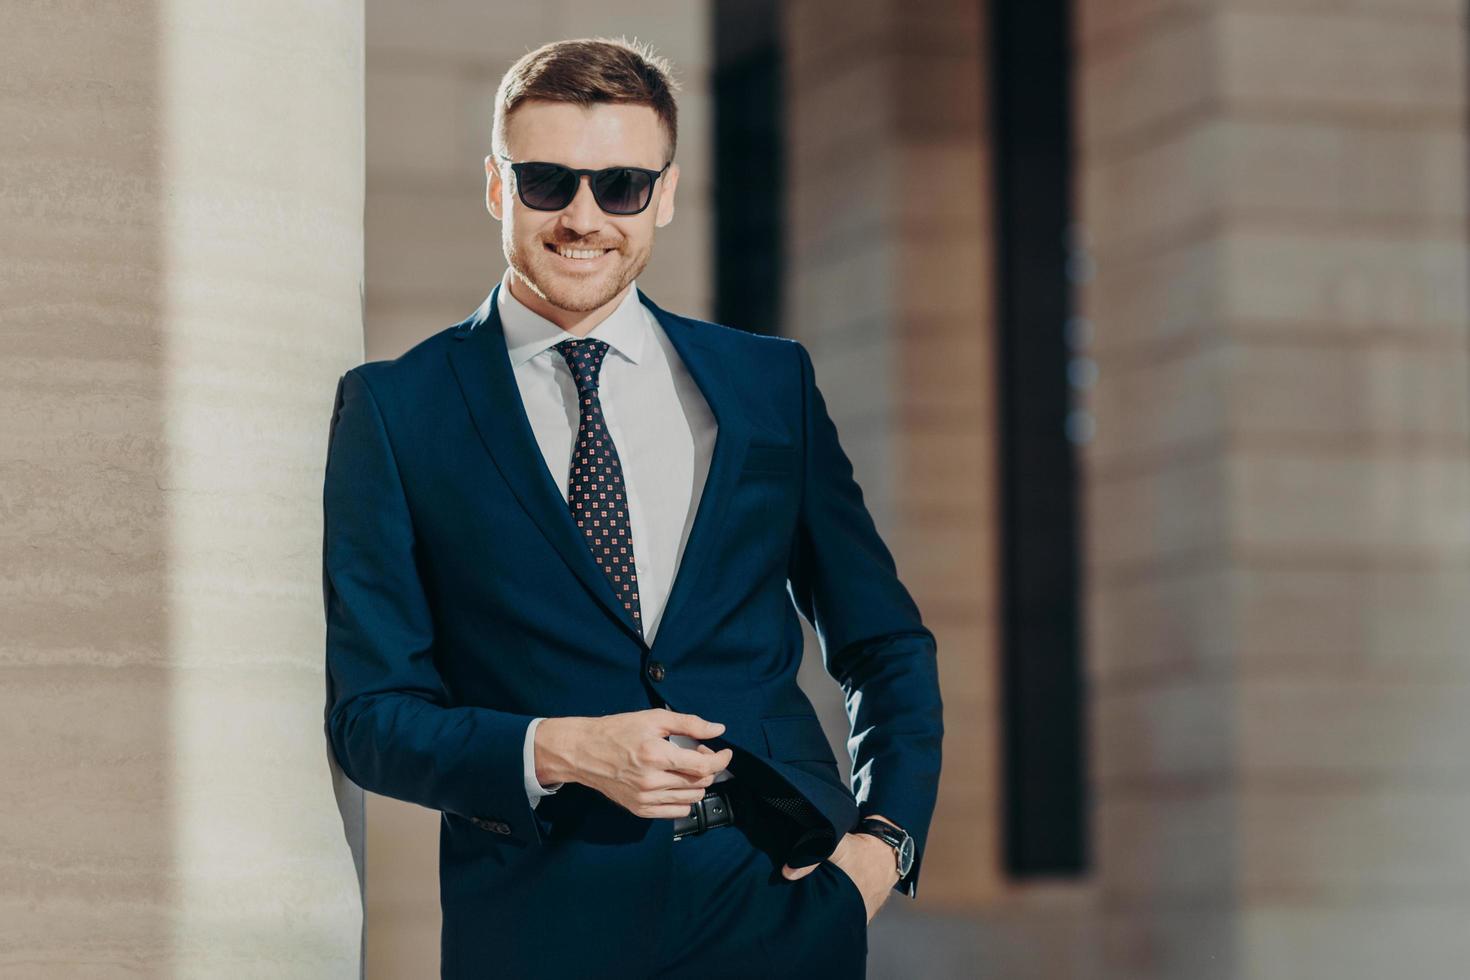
351,805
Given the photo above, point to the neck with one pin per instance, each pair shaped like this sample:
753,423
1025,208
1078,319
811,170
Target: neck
576,322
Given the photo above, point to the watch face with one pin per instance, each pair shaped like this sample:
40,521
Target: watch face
905,856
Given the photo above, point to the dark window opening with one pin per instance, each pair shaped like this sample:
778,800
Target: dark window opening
748,164
1045,825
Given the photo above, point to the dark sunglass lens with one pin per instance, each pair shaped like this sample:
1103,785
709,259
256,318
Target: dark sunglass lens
546,186
622,190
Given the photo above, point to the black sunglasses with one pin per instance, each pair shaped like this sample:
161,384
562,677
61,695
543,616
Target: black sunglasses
617,190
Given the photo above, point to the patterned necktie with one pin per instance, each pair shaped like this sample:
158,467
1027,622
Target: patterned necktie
595,490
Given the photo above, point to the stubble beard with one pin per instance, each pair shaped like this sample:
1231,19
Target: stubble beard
565,292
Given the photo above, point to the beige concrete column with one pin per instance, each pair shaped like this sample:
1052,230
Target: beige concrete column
1279,490
889,284
182,205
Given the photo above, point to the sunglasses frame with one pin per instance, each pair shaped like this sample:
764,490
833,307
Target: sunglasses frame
592,175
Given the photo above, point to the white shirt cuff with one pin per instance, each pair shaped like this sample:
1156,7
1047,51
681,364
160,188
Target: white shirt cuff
534,790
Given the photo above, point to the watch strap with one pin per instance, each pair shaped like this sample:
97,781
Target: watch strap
894,837
881,829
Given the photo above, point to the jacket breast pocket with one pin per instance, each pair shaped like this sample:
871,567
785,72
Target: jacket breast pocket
792,738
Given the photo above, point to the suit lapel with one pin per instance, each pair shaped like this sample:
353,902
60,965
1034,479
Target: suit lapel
481,365
711,374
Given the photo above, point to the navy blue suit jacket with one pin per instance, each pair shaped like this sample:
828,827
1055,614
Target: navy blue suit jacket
462,601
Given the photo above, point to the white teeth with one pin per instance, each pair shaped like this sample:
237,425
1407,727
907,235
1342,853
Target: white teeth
580,253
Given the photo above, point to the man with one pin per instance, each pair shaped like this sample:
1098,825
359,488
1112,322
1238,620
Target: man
566,543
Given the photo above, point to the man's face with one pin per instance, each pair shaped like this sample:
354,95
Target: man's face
602,135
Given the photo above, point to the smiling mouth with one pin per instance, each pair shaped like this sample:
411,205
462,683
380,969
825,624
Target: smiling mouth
577,254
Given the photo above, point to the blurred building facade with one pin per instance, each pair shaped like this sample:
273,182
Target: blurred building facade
1274,197
1266,330
1261,397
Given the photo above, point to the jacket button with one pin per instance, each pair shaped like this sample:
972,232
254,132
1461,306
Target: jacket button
655,670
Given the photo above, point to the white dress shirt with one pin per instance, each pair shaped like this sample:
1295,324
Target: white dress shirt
660,423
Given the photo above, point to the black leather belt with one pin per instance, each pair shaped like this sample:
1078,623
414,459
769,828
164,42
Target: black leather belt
714,810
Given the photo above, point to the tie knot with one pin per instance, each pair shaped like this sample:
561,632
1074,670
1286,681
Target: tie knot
584,356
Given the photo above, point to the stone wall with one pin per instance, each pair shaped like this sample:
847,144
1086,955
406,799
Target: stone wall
1278,496
183,262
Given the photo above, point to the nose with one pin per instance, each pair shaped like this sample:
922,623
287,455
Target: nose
582,215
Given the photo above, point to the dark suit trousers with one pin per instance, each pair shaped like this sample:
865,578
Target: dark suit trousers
730,914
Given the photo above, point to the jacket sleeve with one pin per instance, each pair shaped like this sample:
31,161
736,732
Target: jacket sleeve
844,581
391,727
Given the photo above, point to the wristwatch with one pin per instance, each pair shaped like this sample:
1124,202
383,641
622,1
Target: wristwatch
895,837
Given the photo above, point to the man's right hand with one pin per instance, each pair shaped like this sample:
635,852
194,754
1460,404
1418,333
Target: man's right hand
628,758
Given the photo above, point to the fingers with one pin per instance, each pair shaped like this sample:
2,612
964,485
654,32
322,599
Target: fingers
665,802
670,790
678,723
662,765
673,797
795,874
655,777
696,764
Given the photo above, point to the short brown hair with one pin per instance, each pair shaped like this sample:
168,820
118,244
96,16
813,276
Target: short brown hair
587,71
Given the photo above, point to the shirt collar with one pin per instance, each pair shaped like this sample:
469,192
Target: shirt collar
528,333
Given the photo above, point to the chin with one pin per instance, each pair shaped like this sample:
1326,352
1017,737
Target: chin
577,294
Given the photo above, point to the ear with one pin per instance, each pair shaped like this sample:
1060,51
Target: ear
670,181
494,187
